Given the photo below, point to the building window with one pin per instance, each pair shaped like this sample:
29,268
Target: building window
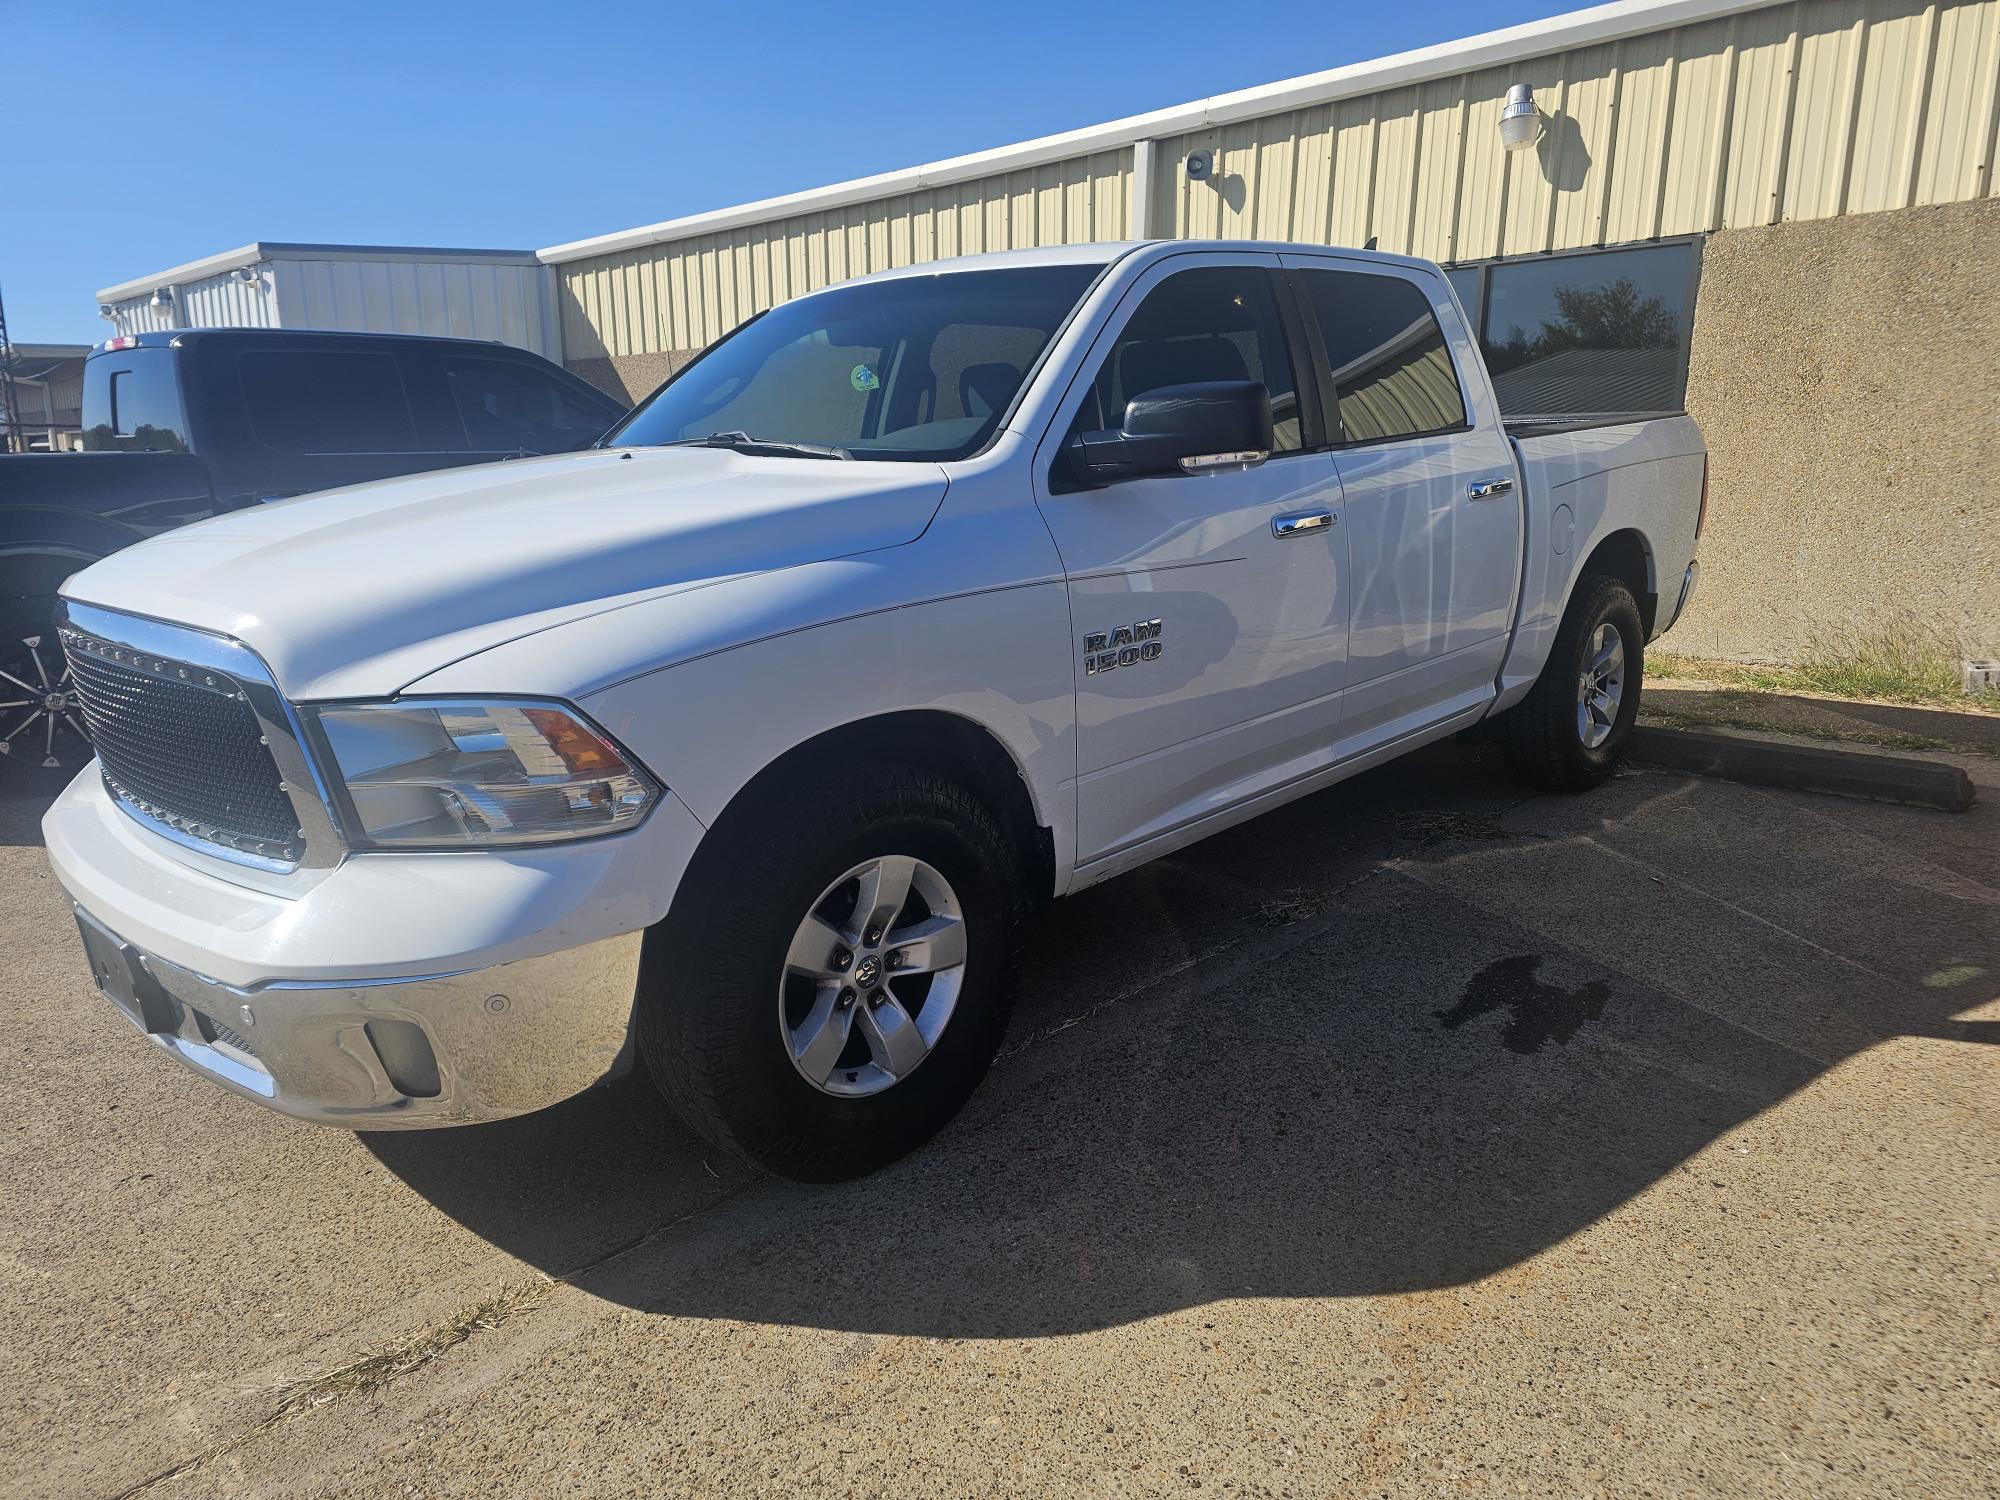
1602,333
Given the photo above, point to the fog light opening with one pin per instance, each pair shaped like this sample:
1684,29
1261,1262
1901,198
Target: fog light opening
406,1056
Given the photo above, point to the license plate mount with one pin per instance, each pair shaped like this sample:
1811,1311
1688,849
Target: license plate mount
123,978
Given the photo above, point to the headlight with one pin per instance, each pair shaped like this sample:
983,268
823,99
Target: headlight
441,773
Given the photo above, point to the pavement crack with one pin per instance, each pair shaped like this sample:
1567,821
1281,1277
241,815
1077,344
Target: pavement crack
366,1374
373,1371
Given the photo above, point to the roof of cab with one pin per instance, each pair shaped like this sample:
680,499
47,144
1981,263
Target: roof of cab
1143,250
167,338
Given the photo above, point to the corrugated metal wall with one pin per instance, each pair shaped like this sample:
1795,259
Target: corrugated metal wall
223,301
455,299
1798,111
458,299
681,296
1809,109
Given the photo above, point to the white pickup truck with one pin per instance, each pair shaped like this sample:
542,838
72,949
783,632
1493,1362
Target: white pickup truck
748,742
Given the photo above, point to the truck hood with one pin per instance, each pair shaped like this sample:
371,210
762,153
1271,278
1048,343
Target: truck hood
358,592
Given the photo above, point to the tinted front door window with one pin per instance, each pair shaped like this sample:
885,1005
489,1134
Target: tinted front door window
1211,323
507,407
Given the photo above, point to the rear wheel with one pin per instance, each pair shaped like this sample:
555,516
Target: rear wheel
42,735
835,978
1571,730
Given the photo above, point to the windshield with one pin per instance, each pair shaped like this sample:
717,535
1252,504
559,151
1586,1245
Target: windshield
916,367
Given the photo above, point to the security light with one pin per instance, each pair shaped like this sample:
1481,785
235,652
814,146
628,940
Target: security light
1199,165
106,310
1520,121
163,296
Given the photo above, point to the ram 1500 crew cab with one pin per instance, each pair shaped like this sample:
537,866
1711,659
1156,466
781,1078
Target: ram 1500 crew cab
747,742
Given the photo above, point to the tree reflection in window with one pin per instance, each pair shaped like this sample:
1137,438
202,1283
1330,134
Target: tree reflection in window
1589,335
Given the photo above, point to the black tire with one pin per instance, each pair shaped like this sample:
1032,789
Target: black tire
1540,734
38,747
710,1024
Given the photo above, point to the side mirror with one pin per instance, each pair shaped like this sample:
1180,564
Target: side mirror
1212,424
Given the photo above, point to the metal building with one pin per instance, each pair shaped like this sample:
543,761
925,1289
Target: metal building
482,294
1778,214
1774,194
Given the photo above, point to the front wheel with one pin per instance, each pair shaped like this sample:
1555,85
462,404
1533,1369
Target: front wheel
834,980
1571,730
41,720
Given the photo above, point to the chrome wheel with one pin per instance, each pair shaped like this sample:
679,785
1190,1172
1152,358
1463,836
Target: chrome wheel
872,976
1600,686
41,720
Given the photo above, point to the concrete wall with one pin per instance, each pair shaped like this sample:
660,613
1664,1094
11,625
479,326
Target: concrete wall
1844,372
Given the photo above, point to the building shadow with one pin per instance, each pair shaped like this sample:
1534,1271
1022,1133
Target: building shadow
1309,1057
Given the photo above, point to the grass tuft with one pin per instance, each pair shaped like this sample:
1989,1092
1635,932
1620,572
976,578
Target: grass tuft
1902,662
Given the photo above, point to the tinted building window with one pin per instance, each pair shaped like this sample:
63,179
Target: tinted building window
132,403
1210,323
513,408
327,401
1589,335
1392,373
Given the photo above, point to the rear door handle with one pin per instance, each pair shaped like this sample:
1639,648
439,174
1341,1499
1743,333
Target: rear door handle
1487,489
1299,525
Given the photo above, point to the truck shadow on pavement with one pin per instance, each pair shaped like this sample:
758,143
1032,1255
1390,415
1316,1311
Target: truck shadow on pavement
1402,1035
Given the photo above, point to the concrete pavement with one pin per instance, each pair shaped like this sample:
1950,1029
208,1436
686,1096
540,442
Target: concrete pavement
1428,1137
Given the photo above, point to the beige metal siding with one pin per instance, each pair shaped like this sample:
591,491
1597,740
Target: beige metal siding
1803,110
682,295
1796,111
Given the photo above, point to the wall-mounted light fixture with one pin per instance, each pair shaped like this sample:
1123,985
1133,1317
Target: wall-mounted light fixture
1520,121
249,274
106,311
163,296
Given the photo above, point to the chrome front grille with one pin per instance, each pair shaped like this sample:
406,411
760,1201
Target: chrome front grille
180,743
195,741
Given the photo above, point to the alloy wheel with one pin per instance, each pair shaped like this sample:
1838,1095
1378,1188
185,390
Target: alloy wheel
41,717
1600,686
872,976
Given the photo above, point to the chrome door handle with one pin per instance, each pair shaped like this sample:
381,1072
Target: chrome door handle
1487,489
1313,520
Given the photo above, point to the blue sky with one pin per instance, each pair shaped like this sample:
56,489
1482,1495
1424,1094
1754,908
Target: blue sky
144,135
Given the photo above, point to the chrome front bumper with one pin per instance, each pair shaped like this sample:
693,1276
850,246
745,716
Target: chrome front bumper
446,1049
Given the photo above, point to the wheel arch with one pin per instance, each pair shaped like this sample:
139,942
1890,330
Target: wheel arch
1626,555
939,740
40,546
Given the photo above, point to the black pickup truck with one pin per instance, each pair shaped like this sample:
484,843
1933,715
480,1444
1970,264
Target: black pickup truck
180,426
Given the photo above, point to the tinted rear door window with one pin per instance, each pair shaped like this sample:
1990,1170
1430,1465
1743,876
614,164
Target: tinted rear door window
1392,373
327,401
509,407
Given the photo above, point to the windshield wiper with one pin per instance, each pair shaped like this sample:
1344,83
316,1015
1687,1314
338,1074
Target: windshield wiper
742,442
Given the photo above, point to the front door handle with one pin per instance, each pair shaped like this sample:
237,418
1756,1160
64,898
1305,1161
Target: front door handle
1299,525
1487,489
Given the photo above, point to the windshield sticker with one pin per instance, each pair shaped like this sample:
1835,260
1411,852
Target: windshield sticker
862,378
